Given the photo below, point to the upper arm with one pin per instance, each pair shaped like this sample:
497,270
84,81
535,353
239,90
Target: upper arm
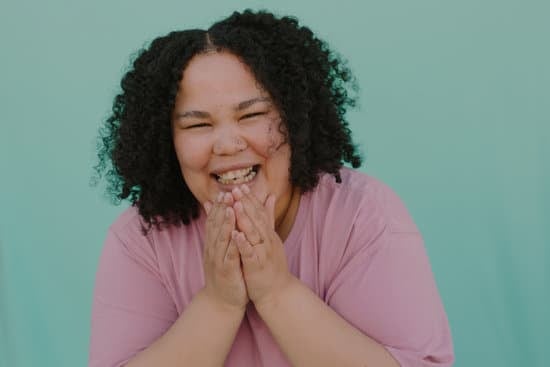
390,295
131,306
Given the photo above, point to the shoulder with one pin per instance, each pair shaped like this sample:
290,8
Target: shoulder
125,238
156,245
364,198
129,224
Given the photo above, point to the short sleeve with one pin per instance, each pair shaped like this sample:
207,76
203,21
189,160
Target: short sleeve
387,290
131,306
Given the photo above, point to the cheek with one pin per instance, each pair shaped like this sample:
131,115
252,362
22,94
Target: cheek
275,136
191,153
269,138
277,153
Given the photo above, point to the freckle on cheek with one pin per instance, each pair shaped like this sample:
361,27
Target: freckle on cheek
275,138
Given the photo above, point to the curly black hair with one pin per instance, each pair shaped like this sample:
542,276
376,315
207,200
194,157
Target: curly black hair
309,84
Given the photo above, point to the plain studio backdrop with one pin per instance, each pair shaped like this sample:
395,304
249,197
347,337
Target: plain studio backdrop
454,116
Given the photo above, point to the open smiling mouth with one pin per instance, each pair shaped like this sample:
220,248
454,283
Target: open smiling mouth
238,176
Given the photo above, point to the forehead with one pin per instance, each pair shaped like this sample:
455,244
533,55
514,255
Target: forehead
217,77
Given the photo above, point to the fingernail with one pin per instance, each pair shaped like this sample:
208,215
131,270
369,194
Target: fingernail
238,206
245,189
227,198
238,193
219,198
207,206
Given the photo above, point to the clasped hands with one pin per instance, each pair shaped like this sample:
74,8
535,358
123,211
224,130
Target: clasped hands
241,230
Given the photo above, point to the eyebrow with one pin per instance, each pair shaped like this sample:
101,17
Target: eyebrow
239,107
250,102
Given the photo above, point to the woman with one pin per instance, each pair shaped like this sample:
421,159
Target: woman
248,243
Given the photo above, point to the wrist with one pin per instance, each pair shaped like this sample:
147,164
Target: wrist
276,298
218,306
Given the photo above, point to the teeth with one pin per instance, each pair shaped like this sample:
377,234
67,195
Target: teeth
238,181
238,173
237,176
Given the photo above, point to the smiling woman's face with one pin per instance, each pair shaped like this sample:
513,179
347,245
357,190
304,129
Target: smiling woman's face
226,132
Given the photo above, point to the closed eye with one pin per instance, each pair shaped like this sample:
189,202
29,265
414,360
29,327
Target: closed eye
250,115
194,126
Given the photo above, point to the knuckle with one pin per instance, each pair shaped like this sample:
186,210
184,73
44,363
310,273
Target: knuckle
256,236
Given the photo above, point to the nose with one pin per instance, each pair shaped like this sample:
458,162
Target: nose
229,141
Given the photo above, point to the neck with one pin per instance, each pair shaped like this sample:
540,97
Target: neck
286,221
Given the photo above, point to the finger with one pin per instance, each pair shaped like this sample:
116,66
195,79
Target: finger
246,250
245,224
254,200
232,254
215,205
207,206
228,199
255,211
219,198
237,193
214,222
246,191
211,221
224,235
262,215
244,195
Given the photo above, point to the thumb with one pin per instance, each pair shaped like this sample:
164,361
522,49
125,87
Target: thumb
248,255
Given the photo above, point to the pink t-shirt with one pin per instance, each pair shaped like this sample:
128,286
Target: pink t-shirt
354,244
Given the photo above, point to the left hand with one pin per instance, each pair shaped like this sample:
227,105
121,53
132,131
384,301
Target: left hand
265,267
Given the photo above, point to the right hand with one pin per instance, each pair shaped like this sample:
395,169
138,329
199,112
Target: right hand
224,281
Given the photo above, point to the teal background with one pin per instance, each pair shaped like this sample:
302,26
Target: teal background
454,116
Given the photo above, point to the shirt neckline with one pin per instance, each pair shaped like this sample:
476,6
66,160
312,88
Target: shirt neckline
298,226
